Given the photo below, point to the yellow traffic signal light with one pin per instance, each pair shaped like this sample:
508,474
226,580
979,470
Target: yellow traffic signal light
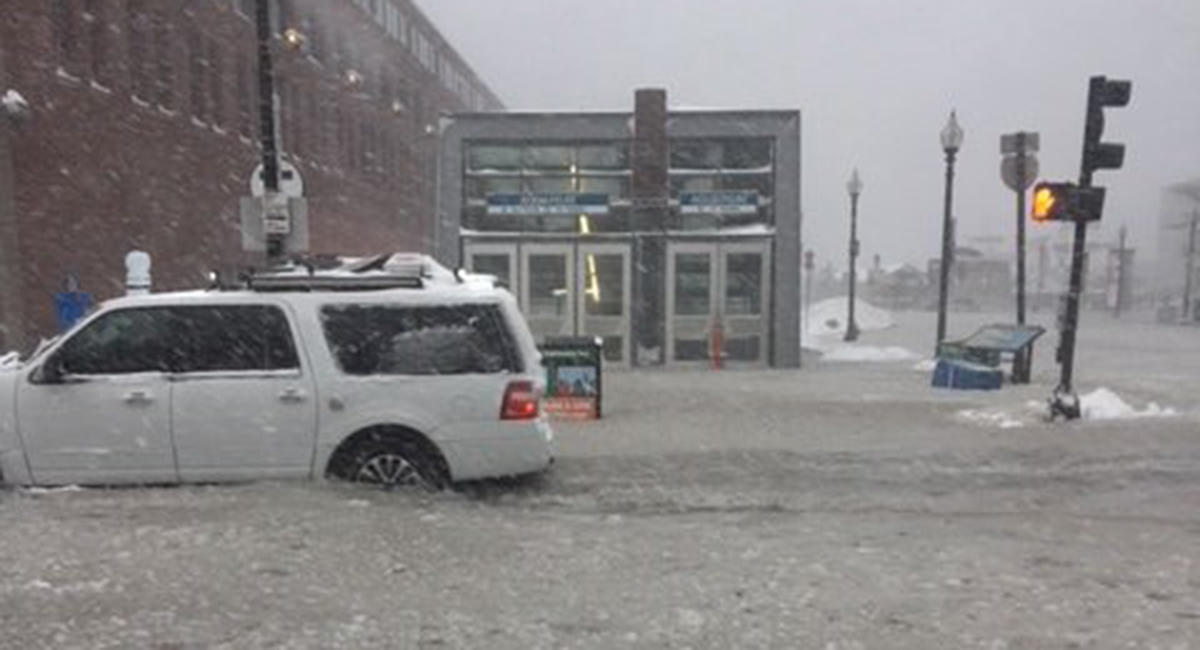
1045,203
1066,202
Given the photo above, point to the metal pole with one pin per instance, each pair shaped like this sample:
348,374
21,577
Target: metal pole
1189,267
851,325
1118,303
943,288
1065,403
266,111
1021,228
808,273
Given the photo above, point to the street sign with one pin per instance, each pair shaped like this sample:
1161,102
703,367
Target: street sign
729,202
1009,169
255,223
1011,143
277,220
291,184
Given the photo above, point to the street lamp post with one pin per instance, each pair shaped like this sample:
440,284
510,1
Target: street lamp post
952,136
854,186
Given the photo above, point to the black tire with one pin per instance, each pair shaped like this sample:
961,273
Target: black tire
394,464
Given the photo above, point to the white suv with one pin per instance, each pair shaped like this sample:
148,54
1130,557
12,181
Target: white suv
393,372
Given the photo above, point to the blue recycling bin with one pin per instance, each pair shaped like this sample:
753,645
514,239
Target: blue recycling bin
964,375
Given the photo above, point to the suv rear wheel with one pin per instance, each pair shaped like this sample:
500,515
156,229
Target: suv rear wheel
392,463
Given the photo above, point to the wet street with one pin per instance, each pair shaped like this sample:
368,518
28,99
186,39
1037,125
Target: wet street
847,505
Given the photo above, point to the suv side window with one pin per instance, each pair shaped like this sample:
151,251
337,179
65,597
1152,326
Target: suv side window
215,338
418,340
120,342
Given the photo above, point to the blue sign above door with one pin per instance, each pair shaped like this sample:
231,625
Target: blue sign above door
547,203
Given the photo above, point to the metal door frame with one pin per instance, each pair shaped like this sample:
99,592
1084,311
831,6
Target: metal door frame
625,250
567,250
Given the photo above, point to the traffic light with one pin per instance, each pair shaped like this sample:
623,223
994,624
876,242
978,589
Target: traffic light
1066,202
1050,201
1102,93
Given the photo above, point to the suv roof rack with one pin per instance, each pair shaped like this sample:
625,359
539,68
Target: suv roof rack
332,282
388,271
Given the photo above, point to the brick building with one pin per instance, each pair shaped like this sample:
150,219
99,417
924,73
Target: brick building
141,130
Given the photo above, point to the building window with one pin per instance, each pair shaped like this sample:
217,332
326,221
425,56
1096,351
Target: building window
197,73
139,33
66,37
164,60
97,26
316,38
216,84
741,169
241,78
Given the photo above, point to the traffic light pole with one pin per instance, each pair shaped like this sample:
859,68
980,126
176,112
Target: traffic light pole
1096,155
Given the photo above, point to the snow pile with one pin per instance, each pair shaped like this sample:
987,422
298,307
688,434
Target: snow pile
10,361
829,317
991,417
858,353
1103,404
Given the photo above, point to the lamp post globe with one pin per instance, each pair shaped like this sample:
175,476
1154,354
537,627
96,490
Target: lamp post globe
854,187
951,137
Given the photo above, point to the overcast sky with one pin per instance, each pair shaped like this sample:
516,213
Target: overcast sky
875,81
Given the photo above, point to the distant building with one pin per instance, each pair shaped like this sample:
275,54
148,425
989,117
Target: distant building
1180,205
142,125
672,235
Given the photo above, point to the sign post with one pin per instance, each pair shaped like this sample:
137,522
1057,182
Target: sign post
1018,169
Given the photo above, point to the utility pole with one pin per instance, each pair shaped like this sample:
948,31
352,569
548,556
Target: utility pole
1189,267
1119,301
270,147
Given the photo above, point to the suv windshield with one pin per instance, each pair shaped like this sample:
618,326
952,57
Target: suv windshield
410,340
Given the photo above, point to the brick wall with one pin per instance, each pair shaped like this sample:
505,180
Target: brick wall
143,132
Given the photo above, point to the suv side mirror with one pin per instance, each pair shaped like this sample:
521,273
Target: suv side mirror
50,372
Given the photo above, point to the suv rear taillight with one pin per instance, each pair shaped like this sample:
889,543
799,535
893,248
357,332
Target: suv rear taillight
520,401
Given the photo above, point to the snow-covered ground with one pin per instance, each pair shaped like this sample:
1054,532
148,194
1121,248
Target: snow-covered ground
847,505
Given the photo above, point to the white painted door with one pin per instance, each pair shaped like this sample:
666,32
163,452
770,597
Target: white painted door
97,410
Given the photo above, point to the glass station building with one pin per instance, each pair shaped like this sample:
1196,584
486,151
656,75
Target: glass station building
672,235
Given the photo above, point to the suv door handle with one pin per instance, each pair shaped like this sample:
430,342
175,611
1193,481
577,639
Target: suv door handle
292,396
138,397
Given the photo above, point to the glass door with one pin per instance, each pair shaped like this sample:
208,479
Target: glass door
718,298
691,302
603,297
499,260
745,296
547,296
